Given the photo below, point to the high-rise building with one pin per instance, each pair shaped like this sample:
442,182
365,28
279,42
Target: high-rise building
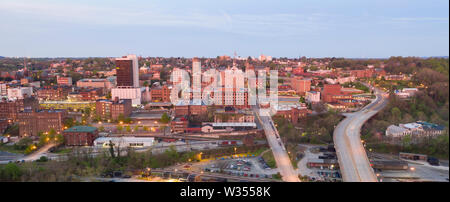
127,71
196,79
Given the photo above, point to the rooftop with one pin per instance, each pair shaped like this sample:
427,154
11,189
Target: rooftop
86,129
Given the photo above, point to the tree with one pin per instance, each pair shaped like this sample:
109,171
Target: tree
396,114
302,99
165,118
69,122
12,172
111,149
101,128
119,128
23,143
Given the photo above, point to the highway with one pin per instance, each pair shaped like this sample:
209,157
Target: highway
284,164
353,161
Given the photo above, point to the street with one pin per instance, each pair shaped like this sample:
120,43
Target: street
352,157
284,164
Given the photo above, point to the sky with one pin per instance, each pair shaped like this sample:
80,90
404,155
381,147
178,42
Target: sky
209,28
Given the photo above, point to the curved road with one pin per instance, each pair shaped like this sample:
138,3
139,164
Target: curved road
352,157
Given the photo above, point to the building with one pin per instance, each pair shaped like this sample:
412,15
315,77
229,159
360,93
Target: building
160,93
293,113
179,125
301,85
134,94
329,90
67,104
106,84
64,81
80,136
322,163
127,80
4,123
53,92
227,127
124,142
406,92
3,89
312,96
32,122
191,107
366,73
9,109
415,129
234,97
298,71
108,109
234,116
127,71
19,93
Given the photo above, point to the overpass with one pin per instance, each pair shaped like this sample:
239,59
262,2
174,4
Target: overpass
280,155
353,161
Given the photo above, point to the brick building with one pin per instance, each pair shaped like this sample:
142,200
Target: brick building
33,122
365,73
64,81
80,136
160,94
330,90
9,109
301,85
108,109
179,125
294,114
53,92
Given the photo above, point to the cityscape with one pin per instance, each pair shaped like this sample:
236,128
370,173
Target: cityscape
222,112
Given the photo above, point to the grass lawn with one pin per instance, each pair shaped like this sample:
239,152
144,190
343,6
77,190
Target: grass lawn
10,149
270,160
63,151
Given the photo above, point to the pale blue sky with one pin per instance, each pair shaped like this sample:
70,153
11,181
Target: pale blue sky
284,28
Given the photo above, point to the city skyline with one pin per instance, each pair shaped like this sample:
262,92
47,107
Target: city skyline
208,29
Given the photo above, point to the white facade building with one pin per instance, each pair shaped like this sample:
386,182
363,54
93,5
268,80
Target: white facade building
3,89
19,93
134,94
312,96
124,141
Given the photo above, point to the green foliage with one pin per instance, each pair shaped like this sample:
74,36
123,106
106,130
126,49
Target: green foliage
10,172
165,118
23,143
119,128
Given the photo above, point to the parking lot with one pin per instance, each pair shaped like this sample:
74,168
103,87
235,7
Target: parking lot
324,160
247,167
